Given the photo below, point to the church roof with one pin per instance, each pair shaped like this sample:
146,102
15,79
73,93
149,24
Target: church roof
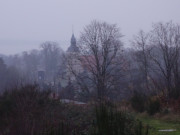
73,47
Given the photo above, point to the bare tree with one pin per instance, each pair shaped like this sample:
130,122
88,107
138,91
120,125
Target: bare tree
9,76
51,58
99,64
141,46
165,41
31,61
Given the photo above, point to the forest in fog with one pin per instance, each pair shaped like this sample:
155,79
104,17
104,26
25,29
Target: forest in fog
150,65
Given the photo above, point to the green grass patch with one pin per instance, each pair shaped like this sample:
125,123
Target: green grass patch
156,124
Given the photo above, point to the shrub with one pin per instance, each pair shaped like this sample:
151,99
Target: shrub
60,129
138,101
109,121
153,105
175,104
27,110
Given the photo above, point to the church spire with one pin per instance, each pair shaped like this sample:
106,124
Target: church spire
72,29
73,47
73,40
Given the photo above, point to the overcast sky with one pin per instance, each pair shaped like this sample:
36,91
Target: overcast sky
25,24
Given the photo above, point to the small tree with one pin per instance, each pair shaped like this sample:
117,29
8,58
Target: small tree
141,45
52,55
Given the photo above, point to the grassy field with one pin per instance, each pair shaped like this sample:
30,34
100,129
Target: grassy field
156,124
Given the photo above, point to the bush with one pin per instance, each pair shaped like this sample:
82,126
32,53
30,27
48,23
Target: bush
174,104
153,106
109,121
27,110
138,101
61,129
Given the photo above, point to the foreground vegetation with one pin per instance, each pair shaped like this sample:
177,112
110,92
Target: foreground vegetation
29,111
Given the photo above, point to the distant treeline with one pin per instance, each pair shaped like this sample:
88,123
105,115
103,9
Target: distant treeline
103,67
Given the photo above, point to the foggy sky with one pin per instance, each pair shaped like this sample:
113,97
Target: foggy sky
25,24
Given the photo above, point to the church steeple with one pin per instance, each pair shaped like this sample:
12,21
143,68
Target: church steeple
73,40
73,47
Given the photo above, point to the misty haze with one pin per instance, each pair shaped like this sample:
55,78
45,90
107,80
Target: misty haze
89,67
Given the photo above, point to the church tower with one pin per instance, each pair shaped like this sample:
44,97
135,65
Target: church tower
73,47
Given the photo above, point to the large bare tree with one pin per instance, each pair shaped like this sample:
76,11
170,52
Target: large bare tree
165,38
158,53
100,61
